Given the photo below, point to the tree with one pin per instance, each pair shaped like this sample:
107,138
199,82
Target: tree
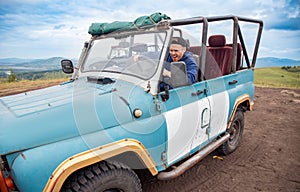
12,76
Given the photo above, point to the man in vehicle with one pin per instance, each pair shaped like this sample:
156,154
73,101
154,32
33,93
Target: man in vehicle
178,52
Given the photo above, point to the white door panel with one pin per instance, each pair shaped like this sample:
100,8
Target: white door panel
184,129
219,109
203,123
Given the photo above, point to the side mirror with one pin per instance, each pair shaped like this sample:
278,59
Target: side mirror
178,74
67,66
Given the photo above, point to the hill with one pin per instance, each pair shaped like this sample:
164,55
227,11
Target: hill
14,60
37,65
277,77
26,67
275,62
30,65
31,68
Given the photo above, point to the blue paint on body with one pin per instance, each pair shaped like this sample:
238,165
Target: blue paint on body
52,124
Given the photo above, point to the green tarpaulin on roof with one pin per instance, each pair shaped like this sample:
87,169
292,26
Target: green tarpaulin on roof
105,28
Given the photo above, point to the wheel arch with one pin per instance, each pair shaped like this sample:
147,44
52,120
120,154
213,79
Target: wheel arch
114,151
244,103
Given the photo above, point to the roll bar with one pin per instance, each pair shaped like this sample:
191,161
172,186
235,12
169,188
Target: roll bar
236,34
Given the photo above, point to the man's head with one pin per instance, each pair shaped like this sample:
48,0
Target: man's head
177,48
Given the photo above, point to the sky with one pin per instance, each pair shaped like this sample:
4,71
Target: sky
53,28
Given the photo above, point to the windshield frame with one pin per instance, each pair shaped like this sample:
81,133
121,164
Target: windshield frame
162,38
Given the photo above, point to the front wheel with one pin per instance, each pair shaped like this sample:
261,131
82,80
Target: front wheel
103,177
236,132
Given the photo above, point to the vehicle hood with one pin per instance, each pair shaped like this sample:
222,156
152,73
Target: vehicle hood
60,112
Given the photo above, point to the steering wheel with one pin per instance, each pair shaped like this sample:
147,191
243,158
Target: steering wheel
143,64
111,62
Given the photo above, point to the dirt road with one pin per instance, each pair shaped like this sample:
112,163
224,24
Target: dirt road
267,160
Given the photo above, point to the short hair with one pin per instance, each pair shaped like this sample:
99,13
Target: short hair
179,41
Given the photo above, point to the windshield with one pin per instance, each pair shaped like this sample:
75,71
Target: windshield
136,54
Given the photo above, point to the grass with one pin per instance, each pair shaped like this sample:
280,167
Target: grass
277,77
21,86
264,77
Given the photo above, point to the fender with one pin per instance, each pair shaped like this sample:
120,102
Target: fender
240,100
81,160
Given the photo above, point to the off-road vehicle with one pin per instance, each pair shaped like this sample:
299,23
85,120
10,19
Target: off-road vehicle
113,122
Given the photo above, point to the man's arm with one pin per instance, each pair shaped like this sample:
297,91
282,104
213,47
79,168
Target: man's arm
191,68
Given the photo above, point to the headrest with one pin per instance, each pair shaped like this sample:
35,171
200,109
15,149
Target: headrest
217,41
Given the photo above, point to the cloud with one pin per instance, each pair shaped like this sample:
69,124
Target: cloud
60,26
39,28
280,43
285,24
281,15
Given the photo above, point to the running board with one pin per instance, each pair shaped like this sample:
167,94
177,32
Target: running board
193,160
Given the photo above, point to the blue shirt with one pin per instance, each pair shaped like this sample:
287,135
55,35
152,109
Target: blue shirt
191,66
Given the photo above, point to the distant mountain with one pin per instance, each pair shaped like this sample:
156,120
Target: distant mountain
53,63
275,62
30,65
14,60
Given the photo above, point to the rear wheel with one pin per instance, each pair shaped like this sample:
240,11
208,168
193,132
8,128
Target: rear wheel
236,132
103,177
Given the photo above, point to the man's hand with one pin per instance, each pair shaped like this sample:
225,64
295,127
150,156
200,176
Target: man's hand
166,73
135,58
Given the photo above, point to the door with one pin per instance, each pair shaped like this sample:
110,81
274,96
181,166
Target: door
218,96
187,114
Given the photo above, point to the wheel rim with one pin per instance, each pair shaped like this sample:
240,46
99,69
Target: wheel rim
234,133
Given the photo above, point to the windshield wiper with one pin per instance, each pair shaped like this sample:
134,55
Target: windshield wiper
100,80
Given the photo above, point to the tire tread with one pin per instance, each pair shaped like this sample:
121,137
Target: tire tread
86,178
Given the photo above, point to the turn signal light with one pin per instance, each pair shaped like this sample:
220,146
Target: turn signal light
6,183
9,182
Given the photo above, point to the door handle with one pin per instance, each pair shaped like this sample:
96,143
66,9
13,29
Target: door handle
232,82
199,92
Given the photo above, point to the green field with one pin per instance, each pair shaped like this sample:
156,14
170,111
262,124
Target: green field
264,77
277,77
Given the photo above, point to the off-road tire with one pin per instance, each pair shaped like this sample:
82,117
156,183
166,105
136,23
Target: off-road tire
236,132
103,177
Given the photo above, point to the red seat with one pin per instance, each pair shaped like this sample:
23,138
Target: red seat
195,50
238,56
218,57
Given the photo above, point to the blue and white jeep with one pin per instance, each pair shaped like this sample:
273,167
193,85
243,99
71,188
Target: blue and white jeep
112,119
